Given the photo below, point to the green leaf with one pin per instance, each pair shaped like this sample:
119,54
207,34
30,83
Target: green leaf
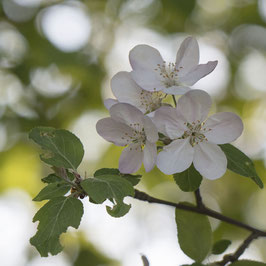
248,263
220,246
62,148
189,180
194,264
105,187
54,219
52,178
118,210
133,179
240,163
53,190
194,234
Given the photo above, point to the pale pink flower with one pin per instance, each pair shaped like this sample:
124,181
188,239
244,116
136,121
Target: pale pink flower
126,90
152,73
128,127
194,136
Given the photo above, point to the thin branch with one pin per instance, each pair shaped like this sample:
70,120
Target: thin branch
203,210
199,201
239,251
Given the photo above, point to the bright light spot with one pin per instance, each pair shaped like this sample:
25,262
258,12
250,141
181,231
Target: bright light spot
85,128
58,260
66,26
17,12
251,76
10,90
29,3
50,82
13,46
16,225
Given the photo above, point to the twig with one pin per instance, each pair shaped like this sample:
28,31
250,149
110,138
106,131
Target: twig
174,99
239,251
198,197
203,210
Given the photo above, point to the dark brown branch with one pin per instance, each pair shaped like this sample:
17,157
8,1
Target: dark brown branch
239,251
203,210
199,201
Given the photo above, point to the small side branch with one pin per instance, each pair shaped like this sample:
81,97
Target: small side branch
239,251
199,201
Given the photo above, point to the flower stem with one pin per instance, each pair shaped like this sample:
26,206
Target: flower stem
174,99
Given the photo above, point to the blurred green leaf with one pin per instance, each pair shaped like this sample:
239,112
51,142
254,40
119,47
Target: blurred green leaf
189,180
62,148
54,219
248,263
240,163
220,246
133,179
53,190
194,234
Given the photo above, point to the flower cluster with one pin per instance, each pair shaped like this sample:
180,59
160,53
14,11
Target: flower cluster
141,113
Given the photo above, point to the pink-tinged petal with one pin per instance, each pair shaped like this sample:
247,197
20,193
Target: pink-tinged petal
187,56
169,122
145,57
175,157
209,160
127,114
125,89
198,73
148,80
194,105
150,130
113,131
223,127
150,153
176,90
108,103
131,159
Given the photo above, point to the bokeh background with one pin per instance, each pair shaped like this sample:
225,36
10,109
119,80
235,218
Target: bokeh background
56,62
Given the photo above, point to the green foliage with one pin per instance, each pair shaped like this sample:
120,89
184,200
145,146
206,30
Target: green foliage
248,263
109,186
194,264
133,179
240,163
194,234
54,219
220,246
51,179
62,148
189,180
53,190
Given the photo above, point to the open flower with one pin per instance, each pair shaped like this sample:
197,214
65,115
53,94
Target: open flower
126,90
195,138
127,126
152,73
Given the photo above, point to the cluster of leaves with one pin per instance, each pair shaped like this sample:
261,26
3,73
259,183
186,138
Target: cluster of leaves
65,188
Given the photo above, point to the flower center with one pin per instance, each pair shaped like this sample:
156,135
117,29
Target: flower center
168,73
151,100
195,132
137,136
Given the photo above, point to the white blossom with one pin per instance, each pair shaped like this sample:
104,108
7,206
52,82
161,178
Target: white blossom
152,73
129,127
194,136
126,90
